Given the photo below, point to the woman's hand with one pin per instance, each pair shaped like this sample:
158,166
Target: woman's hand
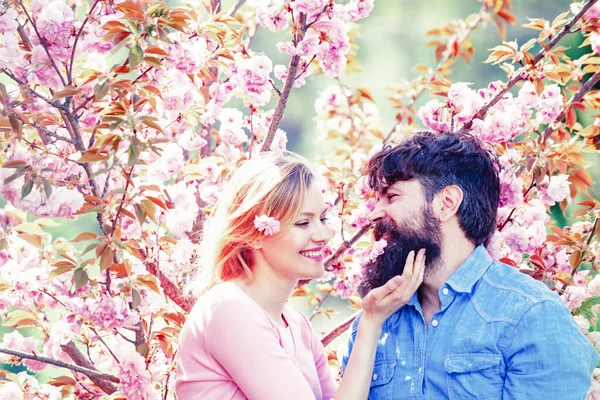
383,301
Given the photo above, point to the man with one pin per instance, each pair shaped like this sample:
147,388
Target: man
476,329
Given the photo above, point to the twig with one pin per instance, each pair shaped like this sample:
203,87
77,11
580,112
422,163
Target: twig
43,43
586,87
70,70
86,371
338,330
236,7
346,245
576,267
508,219
318,307
171,290
105,345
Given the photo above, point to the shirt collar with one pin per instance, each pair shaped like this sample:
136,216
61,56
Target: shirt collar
470,271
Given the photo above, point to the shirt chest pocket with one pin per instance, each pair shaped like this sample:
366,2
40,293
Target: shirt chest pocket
473,376
381,380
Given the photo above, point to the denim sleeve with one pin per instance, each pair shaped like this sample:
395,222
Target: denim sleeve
548,354
350,343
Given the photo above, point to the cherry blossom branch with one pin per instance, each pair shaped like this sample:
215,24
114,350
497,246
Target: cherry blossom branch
70,69
585,88
43,43
171,290
346,245
319,305
91,373
338,330
78,358
541,54
509,218
283,98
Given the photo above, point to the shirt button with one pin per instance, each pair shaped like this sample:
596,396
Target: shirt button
445,291
374,377
434,322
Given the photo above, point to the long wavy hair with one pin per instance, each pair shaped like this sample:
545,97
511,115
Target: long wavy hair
273,184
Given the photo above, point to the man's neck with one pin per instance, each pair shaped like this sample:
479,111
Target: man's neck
454,253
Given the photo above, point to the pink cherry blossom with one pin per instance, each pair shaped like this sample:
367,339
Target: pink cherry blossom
550,104
8,21
436,116
267,225
557,189
272,15
135,379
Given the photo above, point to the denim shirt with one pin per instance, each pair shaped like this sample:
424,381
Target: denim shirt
499,334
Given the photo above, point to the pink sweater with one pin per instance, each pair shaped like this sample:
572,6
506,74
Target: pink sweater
230,349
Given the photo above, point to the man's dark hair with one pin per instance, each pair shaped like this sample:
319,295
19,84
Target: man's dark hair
439,160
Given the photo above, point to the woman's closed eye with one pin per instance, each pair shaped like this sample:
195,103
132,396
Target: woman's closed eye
305,223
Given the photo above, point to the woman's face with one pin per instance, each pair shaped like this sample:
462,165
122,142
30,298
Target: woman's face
298,252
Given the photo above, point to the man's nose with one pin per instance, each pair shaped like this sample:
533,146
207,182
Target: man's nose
377,213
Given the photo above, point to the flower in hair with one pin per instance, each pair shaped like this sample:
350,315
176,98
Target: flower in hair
267,225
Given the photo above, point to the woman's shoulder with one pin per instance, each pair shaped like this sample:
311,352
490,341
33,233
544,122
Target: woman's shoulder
224,296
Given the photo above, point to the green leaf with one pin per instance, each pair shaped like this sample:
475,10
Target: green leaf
59,271
585,308
136,54
136,299
26,188
100,90
47,188
81,278
143,349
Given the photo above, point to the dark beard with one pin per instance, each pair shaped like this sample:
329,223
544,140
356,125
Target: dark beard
422,232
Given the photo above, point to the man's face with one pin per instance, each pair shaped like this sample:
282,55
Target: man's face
406,221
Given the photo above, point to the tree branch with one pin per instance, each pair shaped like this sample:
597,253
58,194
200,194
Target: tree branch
585,88
171,290
338,330
70,69
78,358
43,43
91,373
542,53
236,7
346,245
283,98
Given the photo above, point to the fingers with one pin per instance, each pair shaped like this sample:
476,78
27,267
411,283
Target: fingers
390,286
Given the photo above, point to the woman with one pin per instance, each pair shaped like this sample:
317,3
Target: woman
240,340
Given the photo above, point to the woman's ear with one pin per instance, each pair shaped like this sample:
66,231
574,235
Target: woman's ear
450,198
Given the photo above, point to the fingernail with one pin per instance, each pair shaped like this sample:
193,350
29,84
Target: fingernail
397,279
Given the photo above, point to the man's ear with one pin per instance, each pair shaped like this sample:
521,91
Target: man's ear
450,199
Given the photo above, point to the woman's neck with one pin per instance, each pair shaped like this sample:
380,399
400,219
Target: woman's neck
269,291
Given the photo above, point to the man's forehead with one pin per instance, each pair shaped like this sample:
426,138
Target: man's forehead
399,185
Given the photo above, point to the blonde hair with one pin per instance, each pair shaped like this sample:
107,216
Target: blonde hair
273,184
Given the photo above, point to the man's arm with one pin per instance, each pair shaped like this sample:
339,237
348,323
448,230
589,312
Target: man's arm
548,354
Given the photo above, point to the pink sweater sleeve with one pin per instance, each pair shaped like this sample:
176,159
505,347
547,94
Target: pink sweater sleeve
246,344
